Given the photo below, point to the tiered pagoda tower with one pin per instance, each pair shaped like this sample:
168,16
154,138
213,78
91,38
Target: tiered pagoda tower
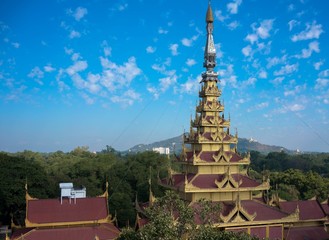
212,169
211,166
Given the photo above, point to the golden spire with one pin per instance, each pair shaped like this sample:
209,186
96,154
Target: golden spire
209,16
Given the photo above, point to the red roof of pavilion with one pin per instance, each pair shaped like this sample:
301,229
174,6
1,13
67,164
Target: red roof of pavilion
105,231
325,208
309,233
52,211
208,156
264,212
207,135
208,180
308,209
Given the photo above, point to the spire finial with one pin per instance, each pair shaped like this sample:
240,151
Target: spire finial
209,16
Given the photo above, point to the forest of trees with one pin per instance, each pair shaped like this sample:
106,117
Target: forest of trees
301,176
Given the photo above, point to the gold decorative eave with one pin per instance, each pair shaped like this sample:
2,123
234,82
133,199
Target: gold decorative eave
193,189
238,214
108,219
221,157
228,183
205,163
252,223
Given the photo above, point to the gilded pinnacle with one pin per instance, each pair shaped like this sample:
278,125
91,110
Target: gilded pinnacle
209,17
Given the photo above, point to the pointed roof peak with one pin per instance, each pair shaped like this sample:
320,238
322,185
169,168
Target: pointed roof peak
209,16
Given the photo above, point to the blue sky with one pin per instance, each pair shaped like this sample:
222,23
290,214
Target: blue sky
124,72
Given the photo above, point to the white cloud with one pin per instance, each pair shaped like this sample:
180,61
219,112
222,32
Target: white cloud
168,81
264,48
74,34
251,81
79,13
233,25
115,76
291,7
277,80
61,84
150,49
286,69
232,7
296,90
127,98
252,38
162,67
228,77
162,31
264,28
317,65
77,66
37,74
188,42
275,61
15,44
88,99
258,106
295,107
312,31
307,52
262,74
165,82
219,16
293,23
68,51
174,49
324,73
122,7
48,68
75,57
247,51
106,49
191,86
190,62
92,83
263,31
153,91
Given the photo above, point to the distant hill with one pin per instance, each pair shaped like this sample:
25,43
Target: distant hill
244,145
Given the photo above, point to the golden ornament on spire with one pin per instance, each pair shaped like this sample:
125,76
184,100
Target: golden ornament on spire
209,16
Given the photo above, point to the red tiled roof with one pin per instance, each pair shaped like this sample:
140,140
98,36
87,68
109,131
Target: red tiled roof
264,212
52,211
104,231
308,209
309,233
246,181
208,180
207,135
178,179
208,156
325,208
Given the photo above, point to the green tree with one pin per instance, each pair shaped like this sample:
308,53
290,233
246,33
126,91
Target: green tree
15,173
